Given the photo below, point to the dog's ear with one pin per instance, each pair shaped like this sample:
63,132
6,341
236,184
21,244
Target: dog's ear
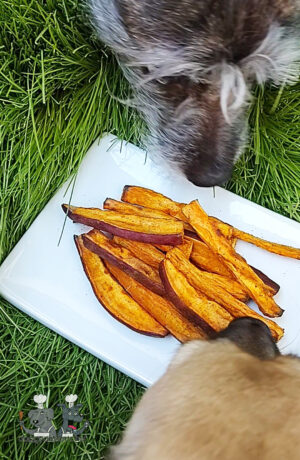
252,336
31,413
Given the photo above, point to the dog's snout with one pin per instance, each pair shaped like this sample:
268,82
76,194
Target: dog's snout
208,171
252,336
202,179
210,156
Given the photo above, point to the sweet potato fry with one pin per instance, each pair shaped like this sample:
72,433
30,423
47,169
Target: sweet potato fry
236,264
233,242
223,227
230,284
186,247
234,234
145,229
209,315
114,298
149,253
145,197
154,200
144,251
122,258
159,308
205,258
164,247
135,210
270,284
210,286
191,234
276,248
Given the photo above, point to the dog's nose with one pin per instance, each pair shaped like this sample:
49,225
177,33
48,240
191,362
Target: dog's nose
201,179
252,336
35,421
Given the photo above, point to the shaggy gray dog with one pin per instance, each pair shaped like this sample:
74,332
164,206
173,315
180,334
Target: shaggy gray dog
192,64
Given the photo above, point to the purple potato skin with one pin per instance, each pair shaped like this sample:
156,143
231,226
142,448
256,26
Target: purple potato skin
106,307
268,281
192,235
127,268
172,239
180,305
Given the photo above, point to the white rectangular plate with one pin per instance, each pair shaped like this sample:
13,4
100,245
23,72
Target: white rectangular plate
47,281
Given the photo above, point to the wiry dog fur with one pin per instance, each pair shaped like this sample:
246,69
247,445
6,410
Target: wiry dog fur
231,398
192,64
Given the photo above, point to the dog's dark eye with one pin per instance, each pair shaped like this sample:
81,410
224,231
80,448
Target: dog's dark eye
42,412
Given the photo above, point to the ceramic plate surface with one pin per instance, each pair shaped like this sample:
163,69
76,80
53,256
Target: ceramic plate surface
47,282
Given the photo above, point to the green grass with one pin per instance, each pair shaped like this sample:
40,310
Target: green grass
56,83
269,172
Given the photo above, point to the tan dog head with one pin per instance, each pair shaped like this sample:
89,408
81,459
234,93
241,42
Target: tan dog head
229,398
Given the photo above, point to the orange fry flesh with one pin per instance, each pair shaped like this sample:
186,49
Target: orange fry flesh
164,247
168,266
149,253
114,298
206,259
117,255
276,248
149,198
194,305
204,282
237,265
134,210
233,242
138,228
159,308
186,247
146,197
228,283
135,204
143,251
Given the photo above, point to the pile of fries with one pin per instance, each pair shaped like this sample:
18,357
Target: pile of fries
165,267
